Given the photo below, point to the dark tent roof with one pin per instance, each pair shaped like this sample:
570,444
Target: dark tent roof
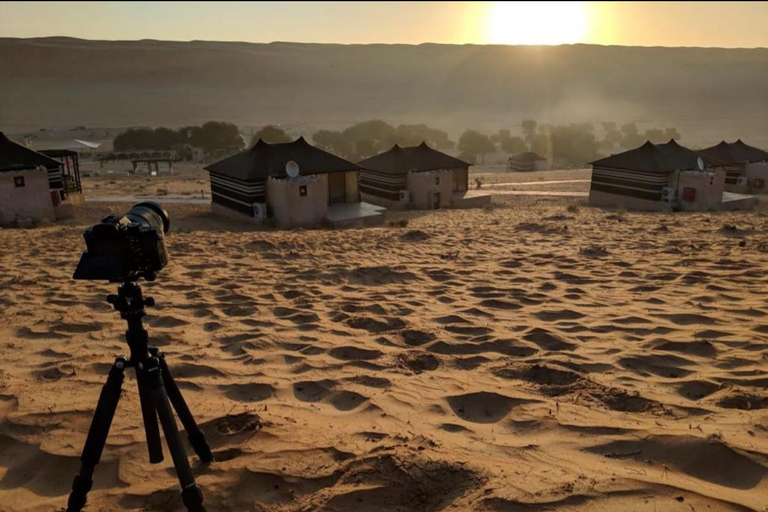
661,158
736,153
415,158
528,156
264,160
14,156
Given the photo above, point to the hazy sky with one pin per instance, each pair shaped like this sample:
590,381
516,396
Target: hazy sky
725,24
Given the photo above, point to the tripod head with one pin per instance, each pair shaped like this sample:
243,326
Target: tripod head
129,300
131,304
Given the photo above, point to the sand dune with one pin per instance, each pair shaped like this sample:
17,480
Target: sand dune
526,357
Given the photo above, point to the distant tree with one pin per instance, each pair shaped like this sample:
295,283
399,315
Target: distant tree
272,134
333,142
133,139
215,135
380,134
364,148
473,144
574,144
541,144
631,137
496,137
509,144
655,135
612,138
529,129
414,134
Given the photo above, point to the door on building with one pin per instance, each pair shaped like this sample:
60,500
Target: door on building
337,188
436,201
460,180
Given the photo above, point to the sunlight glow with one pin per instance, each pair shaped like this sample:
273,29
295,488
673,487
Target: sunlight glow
536,22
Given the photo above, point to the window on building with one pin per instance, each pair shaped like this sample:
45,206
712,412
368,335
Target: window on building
18,181
437,180
303,190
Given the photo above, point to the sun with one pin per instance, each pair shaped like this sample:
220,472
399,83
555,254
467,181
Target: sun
536,22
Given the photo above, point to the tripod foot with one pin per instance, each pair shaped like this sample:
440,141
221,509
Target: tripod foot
193,499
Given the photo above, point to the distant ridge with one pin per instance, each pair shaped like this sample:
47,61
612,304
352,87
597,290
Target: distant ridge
709,94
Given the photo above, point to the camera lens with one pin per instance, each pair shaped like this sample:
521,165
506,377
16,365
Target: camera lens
150,213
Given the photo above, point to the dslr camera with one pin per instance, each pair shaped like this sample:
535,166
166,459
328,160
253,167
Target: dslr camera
126,247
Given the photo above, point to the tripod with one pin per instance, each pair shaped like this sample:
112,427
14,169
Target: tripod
157,392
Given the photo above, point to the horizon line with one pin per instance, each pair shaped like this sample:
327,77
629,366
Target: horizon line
425,43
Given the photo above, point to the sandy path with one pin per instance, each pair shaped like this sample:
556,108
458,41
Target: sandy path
520,358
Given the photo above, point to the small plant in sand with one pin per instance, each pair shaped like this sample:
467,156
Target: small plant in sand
162,191
478,182
573,208
398,223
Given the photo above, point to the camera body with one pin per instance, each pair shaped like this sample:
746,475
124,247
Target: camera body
126,247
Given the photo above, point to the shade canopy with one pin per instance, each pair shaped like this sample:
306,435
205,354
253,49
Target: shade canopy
264,160
76,145
399,160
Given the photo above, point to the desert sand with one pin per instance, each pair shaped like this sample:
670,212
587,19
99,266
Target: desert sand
535,355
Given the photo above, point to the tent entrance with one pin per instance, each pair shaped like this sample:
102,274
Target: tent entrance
337,188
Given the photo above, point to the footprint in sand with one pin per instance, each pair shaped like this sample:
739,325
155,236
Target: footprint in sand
484,406
547,340
704,459
252,392
416,338
350,353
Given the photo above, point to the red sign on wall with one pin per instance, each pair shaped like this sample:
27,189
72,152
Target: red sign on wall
689,194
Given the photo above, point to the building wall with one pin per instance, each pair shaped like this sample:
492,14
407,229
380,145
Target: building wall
424,186
460,179
609,200
709,186
389,204
352,181
757,171
33,200
222,211
290,208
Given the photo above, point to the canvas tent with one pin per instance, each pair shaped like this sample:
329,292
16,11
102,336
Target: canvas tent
254,185
417,177
527,162
746,167
660,177
27,180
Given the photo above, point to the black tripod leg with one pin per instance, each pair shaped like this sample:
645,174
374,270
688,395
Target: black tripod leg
97,436
194,434
151,429
190,493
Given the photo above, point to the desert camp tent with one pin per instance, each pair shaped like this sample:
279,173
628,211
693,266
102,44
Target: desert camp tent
661,177
527,162
417,177
27,180
746,167
255,185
